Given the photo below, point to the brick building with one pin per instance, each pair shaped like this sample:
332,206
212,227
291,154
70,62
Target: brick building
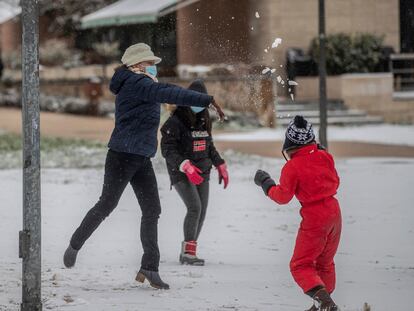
235,28
230,31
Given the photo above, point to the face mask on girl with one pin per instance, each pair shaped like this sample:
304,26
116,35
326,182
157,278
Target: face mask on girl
197,109
152,70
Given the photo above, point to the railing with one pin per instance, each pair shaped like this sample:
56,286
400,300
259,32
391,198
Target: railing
402,68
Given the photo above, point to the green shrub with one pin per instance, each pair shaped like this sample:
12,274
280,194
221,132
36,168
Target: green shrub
350,53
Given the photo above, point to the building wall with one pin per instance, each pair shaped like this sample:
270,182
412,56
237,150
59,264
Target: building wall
213,31
295,21
10,36
374,94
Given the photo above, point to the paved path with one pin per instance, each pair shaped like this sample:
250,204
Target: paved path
73,126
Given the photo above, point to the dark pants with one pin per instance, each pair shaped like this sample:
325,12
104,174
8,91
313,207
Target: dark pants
196,200
121,169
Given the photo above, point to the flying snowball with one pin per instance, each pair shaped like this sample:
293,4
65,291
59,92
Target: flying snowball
266,70
276,43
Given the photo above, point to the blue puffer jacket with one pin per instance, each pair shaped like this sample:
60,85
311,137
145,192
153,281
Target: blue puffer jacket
137,111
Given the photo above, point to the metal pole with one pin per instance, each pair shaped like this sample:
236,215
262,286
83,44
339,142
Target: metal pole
30,236
322,77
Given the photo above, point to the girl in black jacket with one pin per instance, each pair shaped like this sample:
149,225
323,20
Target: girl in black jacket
189,150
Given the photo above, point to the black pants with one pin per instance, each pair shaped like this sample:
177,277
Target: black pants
196,200
121,169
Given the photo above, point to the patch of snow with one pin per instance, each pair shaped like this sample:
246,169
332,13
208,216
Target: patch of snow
381,134
291,82
257,15
9,10
247,241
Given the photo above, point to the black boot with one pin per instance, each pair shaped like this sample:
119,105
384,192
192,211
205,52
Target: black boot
153,278
190,259
69,258
324,302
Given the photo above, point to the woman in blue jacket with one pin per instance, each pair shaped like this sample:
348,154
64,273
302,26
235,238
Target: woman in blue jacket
132,145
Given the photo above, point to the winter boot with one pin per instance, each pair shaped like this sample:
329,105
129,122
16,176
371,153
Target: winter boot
189,254
69,258
153,278
323,301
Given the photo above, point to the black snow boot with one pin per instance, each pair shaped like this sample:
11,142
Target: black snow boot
188,254
153,278
69,258
323,301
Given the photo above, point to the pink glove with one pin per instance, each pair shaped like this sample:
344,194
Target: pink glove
223,174
192,172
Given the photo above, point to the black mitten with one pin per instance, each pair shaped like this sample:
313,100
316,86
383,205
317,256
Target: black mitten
264,180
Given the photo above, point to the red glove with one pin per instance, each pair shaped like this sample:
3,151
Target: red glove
223,174
192,172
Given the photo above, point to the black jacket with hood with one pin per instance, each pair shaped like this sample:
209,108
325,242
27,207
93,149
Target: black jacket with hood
187,136
137,110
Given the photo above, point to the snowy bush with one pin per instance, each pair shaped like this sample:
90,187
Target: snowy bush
13,59
54,52
350,53
107,50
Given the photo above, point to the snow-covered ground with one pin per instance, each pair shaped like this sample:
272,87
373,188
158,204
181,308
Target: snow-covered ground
247,243
381,134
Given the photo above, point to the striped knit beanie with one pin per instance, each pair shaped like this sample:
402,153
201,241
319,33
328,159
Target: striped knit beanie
298,133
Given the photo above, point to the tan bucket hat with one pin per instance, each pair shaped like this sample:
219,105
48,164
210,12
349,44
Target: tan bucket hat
138,53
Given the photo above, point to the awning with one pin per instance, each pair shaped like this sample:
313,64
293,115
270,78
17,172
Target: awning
126,12
8,11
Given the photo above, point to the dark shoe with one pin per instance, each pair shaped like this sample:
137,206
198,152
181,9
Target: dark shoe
69,258
153,278
188,254
324,302
186,259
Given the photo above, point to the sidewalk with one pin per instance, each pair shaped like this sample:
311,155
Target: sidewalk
93,128
60,125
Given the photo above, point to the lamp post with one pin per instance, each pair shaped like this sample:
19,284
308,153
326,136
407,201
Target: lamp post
323,138
30,236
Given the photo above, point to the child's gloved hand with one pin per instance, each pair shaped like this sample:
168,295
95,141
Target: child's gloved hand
264,180
192,172
223,174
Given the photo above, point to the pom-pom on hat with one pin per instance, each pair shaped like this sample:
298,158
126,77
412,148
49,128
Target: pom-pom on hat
298,133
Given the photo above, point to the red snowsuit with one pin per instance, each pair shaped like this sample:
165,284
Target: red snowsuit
312,177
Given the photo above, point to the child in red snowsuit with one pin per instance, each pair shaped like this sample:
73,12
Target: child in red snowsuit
310,175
